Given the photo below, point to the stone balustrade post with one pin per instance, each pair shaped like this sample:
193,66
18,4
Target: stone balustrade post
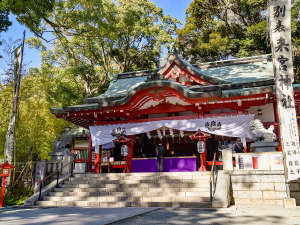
227,159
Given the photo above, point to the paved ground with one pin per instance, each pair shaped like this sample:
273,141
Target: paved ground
147,216
67,215
231,216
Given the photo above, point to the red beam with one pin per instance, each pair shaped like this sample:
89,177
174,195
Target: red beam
166,118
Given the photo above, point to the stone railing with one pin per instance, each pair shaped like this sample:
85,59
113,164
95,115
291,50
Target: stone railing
258,179
57,172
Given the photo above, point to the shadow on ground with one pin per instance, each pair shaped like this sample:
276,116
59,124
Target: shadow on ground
67,215
202,216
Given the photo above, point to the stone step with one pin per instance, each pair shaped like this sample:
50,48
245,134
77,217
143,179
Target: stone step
104,192
187,189
136,181
118,195
139,185
132,189
249,201
172,198
119,176
123,204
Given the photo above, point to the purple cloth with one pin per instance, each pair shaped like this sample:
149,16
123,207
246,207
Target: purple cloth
144,165
179,164
169,165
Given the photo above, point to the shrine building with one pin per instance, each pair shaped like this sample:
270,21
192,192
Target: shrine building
193,110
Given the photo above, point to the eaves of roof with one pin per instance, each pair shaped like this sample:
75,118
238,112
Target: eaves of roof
220,91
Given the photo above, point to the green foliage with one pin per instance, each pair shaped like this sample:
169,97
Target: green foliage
30,12
296,38
223,28
4,22
93,40
36,126
17,195
96,39
239,27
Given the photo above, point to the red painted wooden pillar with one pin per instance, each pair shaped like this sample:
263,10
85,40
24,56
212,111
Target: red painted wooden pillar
244,144
90,154
277,127
245,148
128,168
97,162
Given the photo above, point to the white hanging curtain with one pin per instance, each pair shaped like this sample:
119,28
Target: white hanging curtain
231,126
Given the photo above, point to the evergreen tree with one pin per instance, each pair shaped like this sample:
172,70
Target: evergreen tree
217,30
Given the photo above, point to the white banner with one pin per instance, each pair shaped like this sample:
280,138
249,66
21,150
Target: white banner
231,126
40,171
280,36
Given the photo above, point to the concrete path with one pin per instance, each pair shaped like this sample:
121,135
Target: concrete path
67,215
147,216
230,216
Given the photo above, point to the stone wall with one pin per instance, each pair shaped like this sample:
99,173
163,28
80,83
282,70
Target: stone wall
295,191
258,187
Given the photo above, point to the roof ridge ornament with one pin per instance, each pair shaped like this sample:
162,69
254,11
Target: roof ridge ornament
213,125
118,132
156,76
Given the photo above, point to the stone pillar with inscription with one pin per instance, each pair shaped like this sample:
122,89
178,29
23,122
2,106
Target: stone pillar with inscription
279,15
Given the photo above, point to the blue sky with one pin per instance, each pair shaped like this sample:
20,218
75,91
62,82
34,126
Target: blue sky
175,8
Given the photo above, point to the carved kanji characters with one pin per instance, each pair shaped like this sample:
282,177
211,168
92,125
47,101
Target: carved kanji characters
286,101
281,45
282,60
285,81
279,11
295,152
279,27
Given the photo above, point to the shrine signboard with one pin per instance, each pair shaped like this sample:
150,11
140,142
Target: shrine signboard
279,13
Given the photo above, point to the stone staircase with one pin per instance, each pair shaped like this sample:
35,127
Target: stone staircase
182,189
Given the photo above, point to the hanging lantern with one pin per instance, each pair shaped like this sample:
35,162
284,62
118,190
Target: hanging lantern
200,147
168,146
164,131
171,133
124,150
181,133
148,135
159,134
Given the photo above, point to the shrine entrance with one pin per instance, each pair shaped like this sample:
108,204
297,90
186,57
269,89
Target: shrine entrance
184,149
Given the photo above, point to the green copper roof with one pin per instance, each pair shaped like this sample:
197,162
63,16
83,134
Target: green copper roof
235,71
233,77
121,87
247,70
247,91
